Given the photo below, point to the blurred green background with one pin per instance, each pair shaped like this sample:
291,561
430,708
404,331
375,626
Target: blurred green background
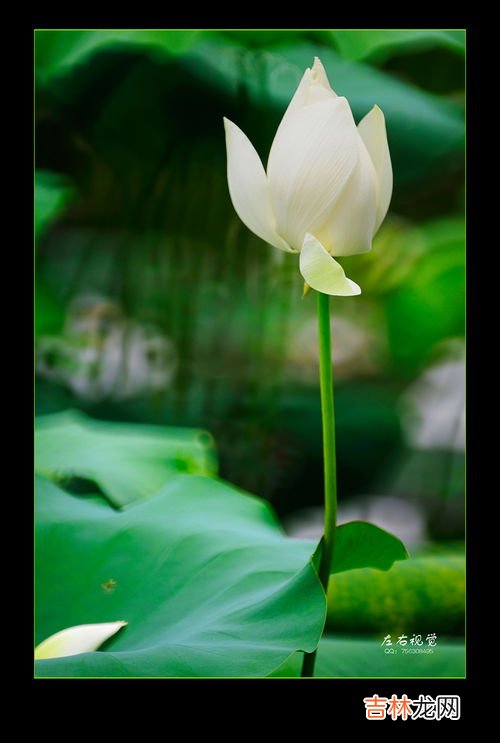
155,304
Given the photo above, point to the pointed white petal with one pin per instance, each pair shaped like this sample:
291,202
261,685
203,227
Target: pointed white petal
373,133
313,154
83,638
308,92
319,76
351,223
313,87
249,187
322,272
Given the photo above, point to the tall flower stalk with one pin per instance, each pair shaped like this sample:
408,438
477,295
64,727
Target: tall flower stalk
326,192
329,454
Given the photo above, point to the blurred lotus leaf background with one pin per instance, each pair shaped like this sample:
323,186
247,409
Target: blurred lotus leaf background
156,305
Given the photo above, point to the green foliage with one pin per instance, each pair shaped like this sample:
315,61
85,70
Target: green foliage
56,51
51,195
378,44
367,426
127,462
432,300
426,132
425,594
348,657
359,544
398,247
146,565
202,573
418,274
49,312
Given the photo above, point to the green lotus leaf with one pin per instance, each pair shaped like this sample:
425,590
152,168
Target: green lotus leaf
203,575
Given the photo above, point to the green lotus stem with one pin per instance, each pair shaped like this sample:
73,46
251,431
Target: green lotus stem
329,455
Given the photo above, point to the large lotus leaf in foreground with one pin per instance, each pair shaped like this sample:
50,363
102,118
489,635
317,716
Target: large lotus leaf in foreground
202,573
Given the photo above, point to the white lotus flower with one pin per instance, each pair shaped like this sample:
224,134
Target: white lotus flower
328,183
83,638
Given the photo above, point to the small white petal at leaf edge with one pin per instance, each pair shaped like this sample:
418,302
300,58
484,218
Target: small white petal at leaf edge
83,638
